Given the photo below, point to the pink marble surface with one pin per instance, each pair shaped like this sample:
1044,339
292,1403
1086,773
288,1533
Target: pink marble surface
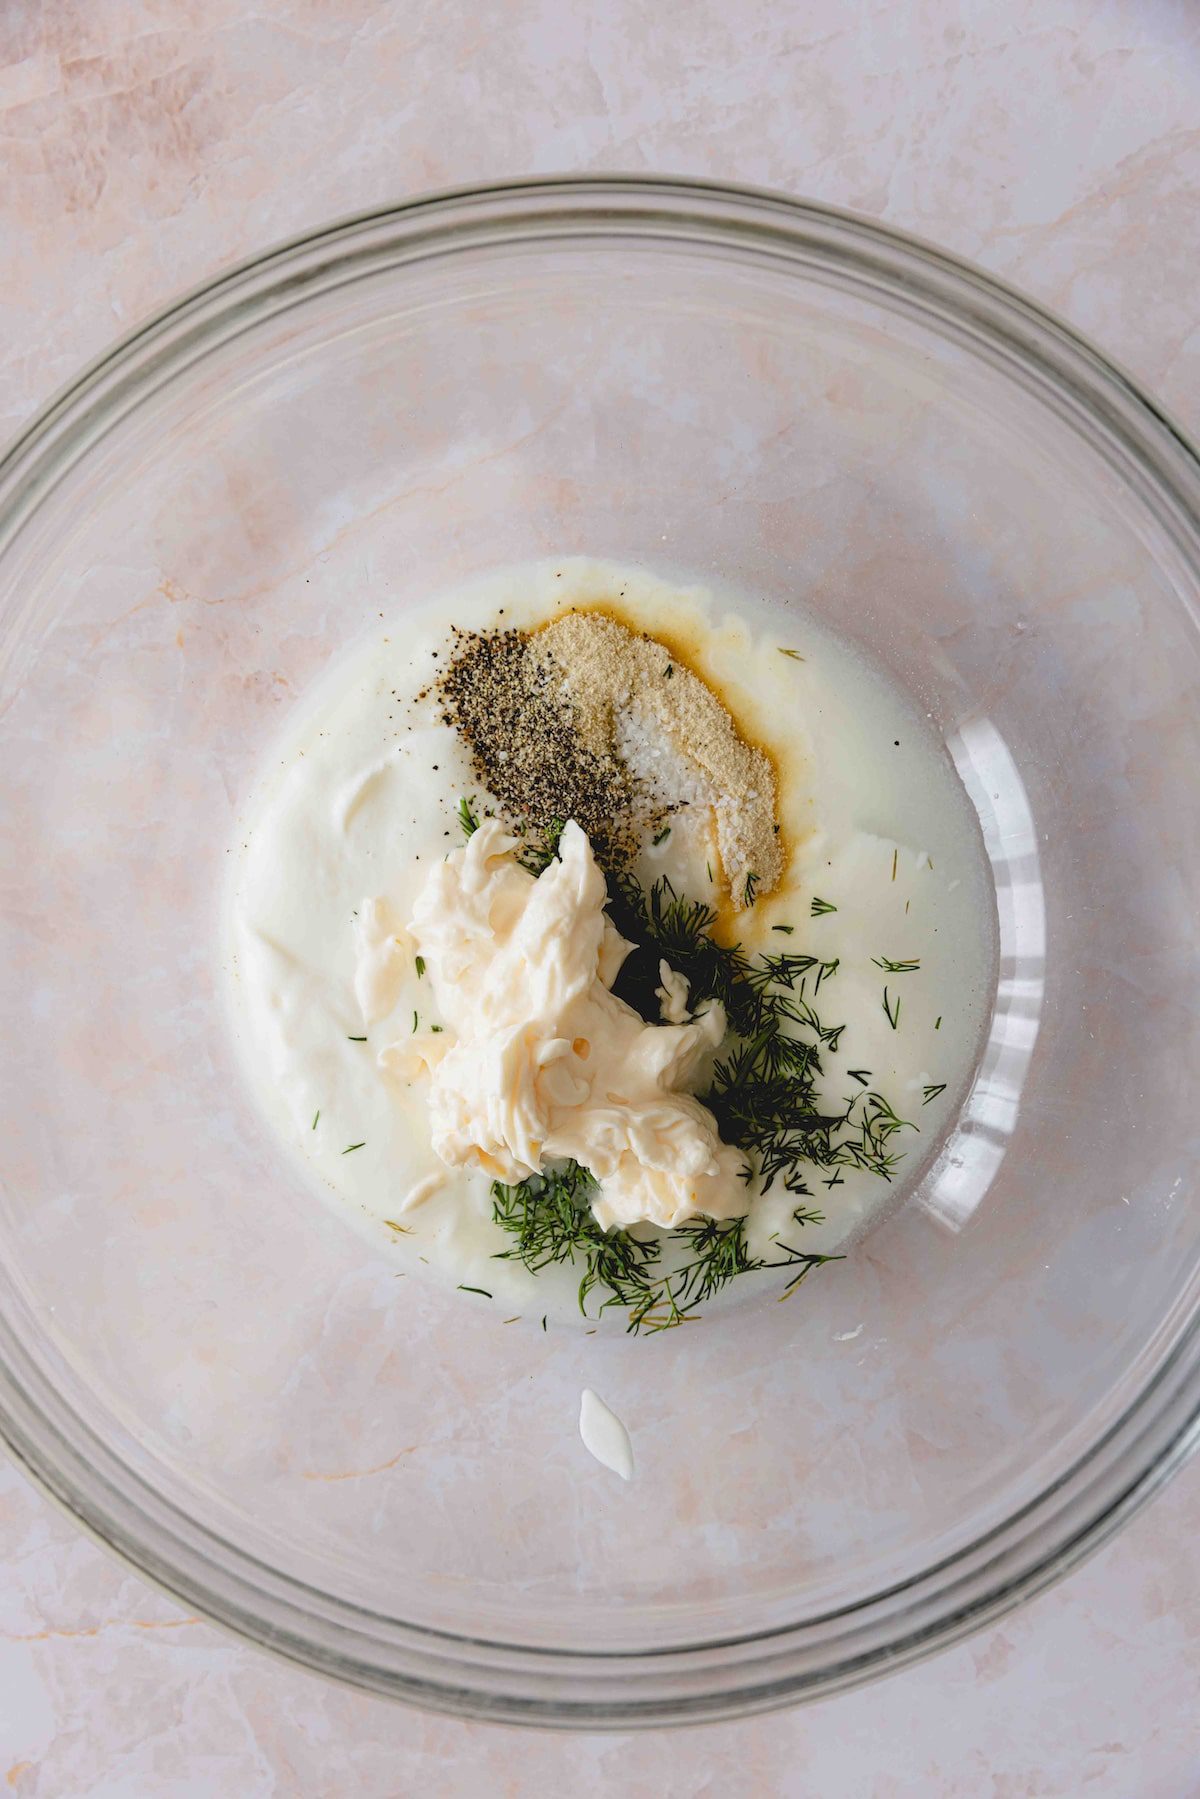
147,145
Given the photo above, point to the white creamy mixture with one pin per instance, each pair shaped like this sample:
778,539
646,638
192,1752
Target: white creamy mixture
604,1436
415,1026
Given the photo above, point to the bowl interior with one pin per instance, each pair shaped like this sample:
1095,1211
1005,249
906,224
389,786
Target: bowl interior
794,434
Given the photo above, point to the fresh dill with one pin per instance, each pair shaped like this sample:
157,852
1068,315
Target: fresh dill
351,1147
550,1217
931,1093
468,818
764,1095
793,654
419,965
537,856
403,1230
893,1013
785,930
661,836
750,889
937,1023
890,967
416,1023
356,1040
895,862
316,1118
464,1288
824,970
820,907
658,1283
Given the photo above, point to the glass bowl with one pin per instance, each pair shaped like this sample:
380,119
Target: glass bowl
207,1368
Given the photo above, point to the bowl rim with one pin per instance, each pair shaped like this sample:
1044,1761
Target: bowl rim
733,1675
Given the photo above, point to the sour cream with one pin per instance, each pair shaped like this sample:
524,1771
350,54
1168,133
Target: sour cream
339,970
604,1436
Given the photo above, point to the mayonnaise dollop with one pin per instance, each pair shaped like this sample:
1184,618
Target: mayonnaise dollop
537,1060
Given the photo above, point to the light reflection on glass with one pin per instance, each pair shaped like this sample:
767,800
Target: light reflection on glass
971,1157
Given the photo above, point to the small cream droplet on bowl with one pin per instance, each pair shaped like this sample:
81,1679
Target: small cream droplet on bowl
604,1436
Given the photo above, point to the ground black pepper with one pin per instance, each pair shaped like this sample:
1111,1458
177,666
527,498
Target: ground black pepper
527,751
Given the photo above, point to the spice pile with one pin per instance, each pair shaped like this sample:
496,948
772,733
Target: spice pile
585,719
528,751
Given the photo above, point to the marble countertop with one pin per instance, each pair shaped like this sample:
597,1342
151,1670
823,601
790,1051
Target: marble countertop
148,143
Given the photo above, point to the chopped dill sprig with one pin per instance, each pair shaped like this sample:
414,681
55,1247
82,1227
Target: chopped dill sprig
356,1040
824,970
763,1095
550,1218
793,654
785,930
538,855
895,862
677,929
464,1288
861,1075
661,836
820,907
877,1124
750,888
937,1023
350,1148
416,1023
316,1118
890,967
931,1093
468,818
403,1230
419,965
893,1017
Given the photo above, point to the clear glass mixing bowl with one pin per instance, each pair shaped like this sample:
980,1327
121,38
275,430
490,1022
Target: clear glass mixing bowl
208,1368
